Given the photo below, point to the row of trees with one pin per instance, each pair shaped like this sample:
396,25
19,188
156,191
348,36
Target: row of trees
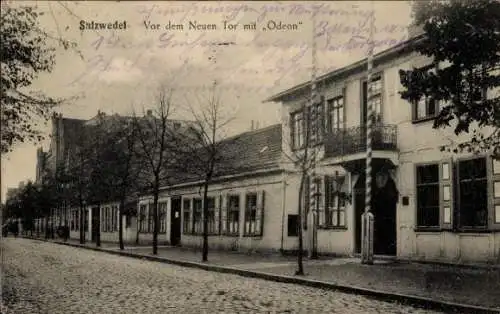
115,158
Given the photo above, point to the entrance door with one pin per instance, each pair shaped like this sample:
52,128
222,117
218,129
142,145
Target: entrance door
95,224
175,221
383,207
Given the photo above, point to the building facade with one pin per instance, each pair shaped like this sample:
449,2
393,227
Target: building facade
428,204
245,207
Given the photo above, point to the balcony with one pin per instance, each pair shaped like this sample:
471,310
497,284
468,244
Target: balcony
352,141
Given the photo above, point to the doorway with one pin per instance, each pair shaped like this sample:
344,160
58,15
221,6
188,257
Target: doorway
175,221
383,207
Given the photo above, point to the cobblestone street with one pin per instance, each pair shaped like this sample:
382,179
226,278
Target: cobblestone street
39,277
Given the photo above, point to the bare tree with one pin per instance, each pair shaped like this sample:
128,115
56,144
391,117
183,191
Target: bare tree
202,148
101,167
125,167
78,169
153,132
302,158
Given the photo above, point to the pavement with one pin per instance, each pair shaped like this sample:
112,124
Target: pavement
446,288
43,277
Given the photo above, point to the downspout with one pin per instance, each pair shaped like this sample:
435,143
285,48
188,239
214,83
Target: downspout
283,207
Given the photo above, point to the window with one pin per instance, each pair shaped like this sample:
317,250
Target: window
298,130
74,220
336,114
197,216
115,217
335,202
103,219
211,215
250,214
186,222
293,225
375,97
86,220
298,125
151,217
426,107
317,122
428,205
233,220
77,222
473,193
142,218
455,195
163,217
253,215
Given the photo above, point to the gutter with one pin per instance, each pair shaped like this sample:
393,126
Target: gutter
216,180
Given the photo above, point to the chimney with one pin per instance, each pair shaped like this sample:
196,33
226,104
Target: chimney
251,126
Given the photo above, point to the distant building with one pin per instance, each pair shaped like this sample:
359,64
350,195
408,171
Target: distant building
245,201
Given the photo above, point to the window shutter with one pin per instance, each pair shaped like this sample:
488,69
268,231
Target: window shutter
493,173
259,215
292,131
217,204
223,214
446,194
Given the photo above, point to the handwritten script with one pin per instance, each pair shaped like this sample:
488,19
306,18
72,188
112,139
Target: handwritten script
338,30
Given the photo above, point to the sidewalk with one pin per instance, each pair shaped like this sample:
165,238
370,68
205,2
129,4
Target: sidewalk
398,281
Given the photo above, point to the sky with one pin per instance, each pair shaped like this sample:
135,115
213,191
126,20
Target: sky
121,71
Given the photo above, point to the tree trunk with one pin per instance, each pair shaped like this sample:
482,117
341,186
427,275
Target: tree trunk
120,223
300,269
156,219
205,221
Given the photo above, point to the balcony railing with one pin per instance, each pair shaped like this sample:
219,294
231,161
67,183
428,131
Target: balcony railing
353,140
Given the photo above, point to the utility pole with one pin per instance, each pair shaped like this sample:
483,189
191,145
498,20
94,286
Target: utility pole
314,126
367,218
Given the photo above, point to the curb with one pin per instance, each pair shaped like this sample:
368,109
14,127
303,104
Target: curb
416,301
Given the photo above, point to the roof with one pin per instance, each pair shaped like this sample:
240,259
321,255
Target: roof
401,48
246,152
253,150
